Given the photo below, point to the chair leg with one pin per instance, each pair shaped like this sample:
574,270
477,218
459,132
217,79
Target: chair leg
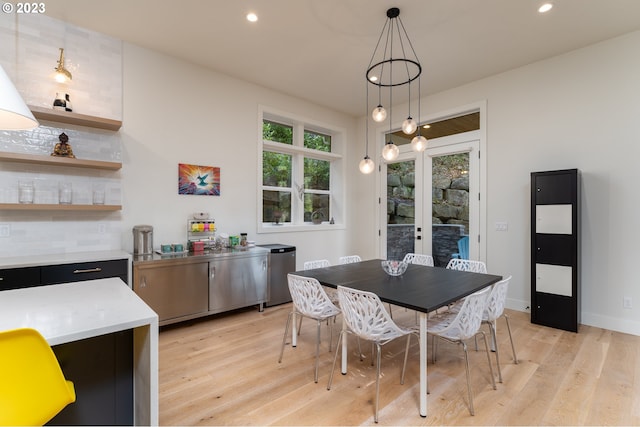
378,360
390,314
284,337
406,354
434,348
466,364
486,347
335,357
315,376
513,348
492,330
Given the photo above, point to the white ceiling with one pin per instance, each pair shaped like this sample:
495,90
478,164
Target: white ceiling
319,49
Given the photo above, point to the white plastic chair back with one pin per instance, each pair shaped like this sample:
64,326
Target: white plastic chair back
319,263
349,259
419,259
309,297
496,300
467,265
365,315
468,320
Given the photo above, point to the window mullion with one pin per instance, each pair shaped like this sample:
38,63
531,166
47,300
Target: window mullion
298,175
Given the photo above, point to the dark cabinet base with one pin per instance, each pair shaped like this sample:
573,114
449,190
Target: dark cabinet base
101,369
556,311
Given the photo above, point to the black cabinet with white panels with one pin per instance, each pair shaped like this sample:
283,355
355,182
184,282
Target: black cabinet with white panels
555,249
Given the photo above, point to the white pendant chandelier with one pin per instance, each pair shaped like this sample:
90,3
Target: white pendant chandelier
392,72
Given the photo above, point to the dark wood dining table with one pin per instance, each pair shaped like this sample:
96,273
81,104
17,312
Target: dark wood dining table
420,288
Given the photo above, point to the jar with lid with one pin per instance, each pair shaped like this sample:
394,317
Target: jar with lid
243,239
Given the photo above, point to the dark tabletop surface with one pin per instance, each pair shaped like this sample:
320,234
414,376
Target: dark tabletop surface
420,288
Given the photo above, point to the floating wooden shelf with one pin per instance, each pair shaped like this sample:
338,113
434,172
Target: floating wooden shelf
71,118
59,161
57,207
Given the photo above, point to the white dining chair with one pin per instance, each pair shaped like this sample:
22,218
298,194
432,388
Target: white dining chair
459,326
421,259
309,300
317,263
493,311
467,265
365,317
348,259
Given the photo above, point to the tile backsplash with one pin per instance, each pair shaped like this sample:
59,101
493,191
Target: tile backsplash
29,55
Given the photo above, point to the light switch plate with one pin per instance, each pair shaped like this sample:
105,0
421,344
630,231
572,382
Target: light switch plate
502,226
5,230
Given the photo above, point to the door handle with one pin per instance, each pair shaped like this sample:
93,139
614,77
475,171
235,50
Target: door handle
418,237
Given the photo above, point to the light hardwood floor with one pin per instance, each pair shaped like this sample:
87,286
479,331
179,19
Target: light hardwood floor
224,370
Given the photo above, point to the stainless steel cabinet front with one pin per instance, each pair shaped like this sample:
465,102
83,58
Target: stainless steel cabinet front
236,282
173,291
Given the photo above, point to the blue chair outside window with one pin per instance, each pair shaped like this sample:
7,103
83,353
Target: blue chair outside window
463,248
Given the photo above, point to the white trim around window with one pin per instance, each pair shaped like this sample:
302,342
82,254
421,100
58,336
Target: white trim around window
298,152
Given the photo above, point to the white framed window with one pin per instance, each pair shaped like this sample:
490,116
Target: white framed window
300,174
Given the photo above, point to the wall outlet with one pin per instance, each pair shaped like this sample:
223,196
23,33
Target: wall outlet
102,228
626,302
5,230
502,226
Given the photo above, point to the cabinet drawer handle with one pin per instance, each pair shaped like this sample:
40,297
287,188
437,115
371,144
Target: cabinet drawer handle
88,270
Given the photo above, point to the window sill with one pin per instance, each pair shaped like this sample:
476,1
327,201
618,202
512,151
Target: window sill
288,228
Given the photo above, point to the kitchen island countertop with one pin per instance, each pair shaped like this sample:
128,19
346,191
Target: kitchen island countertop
70,312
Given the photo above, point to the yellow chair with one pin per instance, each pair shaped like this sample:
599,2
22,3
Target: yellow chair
33,388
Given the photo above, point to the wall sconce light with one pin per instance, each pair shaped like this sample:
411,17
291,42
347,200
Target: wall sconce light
62,75
14,113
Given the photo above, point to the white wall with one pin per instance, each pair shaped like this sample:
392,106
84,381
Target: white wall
578,110
176,112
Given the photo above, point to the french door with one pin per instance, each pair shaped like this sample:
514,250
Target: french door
430,201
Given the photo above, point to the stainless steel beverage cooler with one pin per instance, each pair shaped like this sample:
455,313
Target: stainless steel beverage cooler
282,260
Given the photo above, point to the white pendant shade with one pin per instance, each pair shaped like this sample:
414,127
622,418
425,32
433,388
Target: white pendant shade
14,113
379,114
366,165
409,126
390,151
419,143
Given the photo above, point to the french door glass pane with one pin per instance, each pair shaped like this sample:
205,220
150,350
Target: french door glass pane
450,206
400,209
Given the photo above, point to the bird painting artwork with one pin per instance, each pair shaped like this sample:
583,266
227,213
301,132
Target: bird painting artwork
198,180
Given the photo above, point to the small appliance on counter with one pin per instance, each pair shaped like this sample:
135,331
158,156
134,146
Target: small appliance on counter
142,240
201,232
282,261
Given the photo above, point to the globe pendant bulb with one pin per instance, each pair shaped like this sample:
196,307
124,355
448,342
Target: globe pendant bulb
366,165
419,143
390,151
379,114
409,126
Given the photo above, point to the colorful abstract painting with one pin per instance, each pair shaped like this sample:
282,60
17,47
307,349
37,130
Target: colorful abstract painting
198,180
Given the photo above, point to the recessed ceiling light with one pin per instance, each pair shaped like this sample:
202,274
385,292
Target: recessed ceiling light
252,17
426,126
546,7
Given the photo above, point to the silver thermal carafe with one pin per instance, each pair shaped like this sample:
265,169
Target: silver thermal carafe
142,240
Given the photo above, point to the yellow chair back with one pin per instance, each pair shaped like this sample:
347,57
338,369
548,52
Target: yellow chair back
33,388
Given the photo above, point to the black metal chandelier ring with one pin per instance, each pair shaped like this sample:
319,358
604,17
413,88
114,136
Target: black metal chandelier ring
391,62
